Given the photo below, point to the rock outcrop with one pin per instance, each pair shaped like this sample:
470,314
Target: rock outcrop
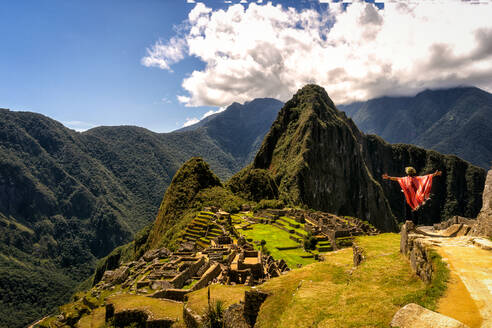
483,226
413,315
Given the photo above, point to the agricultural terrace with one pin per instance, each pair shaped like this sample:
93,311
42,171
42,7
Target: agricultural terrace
283,241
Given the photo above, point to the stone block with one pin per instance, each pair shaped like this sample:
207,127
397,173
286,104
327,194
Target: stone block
358,255
413,315
234,317
171,294
452,231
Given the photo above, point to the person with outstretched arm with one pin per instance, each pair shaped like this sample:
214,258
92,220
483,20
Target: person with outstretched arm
415,188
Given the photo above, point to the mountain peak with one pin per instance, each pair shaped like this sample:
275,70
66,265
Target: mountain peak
308,107
193,176
315,157
314,99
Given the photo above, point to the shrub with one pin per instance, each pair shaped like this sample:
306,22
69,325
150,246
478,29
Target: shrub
214,315
309,242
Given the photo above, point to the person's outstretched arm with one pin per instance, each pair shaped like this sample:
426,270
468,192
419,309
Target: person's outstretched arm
437,173
387,177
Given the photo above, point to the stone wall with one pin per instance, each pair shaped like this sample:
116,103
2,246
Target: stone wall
180,279
141,317
454,220
125,318
208,276
234,317
191,319
417,250
171,294
159,323
484,218
252,303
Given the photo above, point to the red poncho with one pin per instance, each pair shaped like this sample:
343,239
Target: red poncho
416,189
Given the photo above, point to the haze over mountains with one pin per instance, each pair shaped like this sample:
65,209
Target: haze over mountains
452,121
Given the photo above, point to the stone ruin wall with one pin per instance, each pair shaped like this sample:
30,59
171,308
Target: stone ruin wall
417,250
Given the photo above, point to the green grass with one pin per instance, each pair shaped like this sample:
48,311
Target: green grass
193,283
198,302
294,222
207,213
160,308
274,238
330,294
95,319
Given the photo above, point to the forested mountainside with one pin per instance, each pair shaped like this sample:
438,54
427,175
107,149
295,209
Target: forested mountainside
68,198
451,121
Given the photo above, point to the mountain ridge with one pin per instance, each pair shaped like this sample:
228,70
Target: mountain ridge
68,198
454,121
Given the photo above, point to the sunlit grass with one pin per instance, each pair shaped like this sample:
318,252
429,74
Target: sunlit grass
96,319
274,238
198,300
160,308
333,294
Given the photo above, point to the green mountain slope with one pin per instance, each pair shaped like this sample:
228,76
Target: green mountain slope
453,121
68,198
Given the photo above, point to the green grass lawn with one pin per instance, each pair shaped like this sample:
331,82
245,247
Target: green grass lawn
329,294
285,219
274,238
291,220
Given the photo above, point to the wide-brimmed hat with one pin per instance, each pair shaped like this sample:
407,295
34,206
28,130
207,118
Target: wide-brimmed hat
410,170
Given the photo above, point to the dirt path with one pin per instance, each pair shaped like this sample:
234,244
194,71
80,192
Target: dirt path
469,295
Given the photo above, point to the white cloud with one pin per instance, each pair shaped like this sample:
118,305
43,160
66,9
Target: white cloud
190,121
183,99
358,53
211,112
190,1
166,100
164,55
79,126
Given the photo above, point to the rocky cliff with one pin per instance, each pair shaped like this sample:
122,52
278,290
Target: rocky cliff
318,157
484,218
457,192
313,153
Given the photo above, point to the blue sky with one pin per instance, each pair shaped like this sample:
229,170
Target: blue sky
81,62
